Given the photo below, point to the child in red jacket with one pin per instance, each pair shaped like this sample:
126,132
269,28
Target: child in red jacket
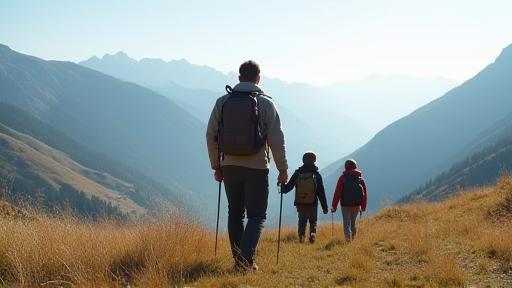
352,195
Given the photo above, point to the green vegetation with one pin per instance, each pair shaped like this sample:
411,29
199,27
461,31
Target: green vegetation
481,169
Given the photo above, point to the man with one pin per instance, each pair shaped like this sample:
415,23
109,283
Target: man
239,154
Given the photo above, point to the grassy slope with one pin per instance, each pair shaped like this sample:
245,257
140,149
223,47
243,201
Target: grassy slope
22,153
452,243
462,241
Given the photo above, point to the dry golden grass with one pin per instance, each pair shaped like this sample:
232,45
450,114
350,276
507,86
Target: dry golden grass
456,243
66,250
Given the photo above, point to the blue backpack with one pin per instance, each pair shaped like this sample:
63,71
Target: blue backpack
353,193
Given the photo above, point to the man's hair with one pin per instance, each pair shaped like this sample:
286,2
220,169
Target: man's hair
350,164
249,71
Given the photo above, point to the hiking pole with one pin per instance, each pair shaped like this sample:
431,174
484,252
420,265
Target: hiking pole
218,212
280,214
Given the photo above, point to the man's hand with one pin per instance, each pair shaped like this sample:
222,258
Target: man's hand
325,210
218,175
333,210
283,177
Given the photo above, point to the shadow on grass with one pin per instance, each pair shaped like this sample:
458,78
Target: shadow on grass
333,243
345,280
126,269
197,270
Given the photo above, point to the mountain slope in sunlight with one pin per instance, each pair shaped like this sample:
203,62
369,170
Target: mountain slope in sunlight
415,148
131,124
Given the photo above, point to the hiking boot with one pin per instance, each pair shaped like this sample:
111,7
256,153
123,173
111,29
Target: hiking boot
239,267
254,267
302,239
312,238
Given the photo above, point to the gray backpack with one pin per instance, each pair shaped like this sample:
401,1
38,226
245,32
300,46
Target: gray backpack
305,189
240,131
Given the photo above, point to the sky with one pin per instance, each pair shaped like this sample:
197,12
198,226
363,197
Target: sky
318,42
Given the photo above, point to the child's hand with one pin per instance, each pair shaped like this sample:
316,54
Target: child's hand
325,210
333,210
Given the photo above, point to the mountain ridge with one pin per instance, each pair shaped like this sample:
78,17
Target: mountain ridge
130,123
481,168
412,149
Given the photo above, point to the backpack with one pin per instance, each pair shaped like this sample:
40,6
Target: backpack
305,189
352,191
240,131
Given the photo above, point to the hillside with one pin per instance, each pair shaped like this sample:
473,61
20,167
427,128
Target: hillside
98,168
480,169
131,124
31,161
413,149
415,245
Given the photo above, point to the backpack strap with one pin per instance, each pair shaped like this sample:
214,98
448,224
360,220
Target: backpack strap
220,123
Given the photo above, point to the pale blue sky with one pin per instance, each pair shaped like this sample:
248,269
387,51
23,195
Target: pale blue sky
317,42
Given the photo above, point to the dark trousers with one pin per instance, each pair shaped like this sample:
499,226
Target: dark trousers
246,190
307,213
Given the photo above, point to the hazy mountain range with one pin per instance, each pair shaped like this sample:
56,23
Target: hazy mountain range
332,120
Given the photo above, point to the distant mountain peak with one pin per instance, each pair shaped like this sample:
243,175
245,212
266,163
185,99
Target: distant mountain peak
2,46
183,60
506,54
120,55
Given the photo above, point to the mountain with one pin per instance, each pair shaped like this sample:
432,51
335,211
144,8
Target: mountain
131,124
415,148
315,118
106,172
307,119
40,171
157,72
480,169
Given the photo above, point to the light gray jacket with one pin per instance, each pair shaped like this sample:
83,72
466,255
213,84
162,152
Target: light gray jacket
271,125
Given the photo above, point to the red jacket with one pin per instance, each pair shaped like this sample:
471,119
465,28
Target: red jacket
338,194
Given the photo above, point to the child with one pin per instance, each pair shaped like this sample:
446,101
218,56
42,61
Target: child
309,188
351,193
